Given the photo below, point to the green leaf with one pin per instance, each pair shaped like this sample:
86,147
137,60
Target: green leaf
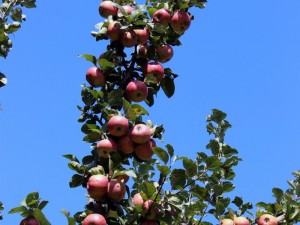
16,14
89,58
73,165
13,27
71,220
88,160
278,193
238,201
165,170
212,162
76,180
178,179
149,189
71,157
40,217
190,166
42,204
19,209
115,97
3,80
97,170
170,150
168,86
161,153
32,199
104,64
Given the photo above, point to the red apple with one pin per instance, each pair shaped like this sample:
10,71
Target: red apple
142,35
97,186
125,144
180,21
129,39
142,51
29,221
95,77
164,53
154,71
137,199
240,220
149,210
140,133
267,219
226,222
105,146
94,219
136,91
116,190
114,31
107,8
118,125
144,151
127,8
162,16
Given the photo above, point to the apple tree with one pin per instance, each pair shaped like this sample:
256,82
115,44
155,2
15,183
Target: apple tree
131,176
11,17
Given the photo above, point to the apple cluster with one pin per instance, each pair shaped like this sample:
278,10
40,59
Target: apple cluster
264,219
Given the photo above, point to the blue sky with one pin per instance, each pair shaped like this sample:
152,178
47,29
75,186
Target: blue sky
242,58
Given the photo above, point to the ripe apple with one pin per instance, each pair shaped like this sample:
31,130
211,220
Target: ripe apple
118,125
143,50
127,8
116,190
97,186
144,151
114,31
154,70
267,219
129,39
95,77
94,219
149,210
137,199
125,144
140,133
105,146
142,35
240,220
107,8
227,222
136,91
164,53
162,16
29,221
180,21
149,222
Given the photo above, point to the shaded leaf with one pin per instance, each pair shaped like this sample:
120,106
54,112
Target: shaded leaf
178,179
161,153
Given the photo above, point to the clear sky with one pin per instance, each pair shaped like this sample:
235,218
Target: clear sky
241,57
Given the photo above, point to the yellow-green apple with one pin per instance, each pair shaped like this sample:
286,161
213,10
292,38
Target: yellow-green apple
267,219
105,146
162,16
125,144
136,91
144,151
164,53
140,133
30,220
97,186
154,71
137,199
116,190
118,125
129,38
142,35
107,8
95,77
180,21
94,219
240,220
227,222
114,31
